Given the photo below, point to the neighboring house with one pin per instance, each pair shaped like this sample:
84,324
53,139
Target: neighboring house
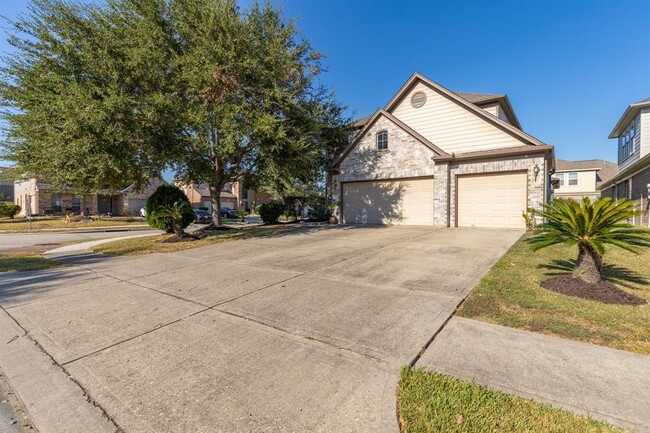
233,196
578,179
46,200
435,157
632,132
6,187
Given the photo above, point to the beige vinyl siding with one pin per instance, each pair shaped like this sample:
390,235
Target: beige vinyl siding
586,184
450,126
493,109
402,201
644,132
492,200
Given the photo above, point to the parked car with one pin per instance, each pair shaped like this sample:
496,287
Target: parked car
226,212
202,216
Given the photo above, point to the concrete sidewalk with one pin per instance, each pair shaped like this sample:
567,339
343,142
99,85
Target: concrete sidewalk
603,383
84,247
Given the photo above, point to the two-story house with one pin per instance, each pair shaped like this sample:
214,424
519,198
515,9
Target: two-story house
233,196
578,179
632,133
436,157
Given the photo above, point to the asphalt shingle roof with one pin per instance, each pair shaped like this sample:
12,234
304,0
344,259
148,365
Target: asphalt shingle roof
606,169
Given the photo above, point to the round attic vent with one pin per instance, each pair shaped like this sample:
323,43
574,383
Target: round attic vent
418,99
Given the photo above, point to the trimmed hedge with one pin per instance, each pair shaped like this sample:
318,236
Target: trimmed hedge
167,195
271,211
9,210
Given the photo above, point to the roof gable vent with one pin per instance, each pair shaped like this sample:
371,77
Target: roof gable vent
418,99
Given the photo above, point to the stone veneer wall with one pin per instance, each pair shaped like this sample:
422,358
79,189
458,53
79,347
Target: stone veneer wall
405,156
536,186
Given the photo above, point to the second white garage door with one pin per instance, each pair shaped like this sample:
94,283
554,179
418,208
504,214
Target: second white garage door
404,201
492,200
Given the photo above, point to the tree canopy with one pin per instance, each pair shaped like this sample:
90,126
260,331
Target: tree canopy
103,95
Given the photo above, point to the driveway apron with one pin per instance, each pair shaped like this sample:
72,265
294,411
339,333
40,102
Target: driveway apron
304,331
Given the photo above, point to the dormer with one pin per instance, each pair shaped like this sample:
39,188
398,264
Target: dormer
496,104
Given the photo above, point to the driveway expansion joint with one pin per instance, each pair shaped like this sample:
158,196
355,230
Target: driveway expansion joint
86,393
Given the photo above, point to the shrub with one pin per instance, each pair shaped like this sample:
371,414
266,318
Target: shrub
271,211
165,196
9,210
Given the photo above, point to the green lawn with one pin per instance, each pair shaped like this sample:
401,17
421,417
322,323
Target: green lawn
26,261
60,223
510,295
156,244
435,403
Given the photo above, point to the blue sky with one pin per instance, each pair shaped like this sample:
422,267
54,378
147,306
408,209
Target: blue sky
570,67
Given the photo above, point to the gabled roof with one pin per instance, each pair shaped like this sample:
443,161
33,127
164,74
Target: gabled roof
371,121
630,112
454,97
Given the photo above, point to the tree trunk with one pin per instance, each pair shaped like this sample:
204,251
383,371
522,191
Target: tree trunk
589,266
178,227
215,200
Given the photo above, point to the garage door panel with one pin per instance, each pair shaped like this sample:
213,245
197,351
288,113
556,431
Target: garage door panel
494,200
407,202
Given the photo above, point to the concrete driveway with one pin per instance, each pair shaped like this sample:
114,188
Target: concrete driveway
304,331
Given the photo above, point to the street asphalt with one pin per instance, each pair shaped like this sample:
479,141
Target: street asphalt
16,241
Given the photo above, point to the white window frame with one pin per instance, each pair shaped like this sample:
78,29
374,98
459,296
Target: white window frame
382,140
560,176
573,177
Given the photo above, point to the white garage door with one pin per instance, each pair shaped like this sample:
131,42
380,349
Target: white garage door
404,201
228,204
135,204
492,200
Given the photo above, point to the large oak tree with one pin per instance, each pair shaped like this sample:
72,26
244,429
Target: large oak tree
101,95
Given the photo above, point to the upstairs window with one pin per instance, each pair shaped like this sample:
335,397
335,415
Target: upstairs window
573,178
626,142
560,176
382,140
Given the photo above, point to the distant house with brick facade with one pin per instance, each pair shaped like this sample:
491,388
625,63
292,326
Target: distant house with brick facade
47,200
233,196
632,134
432,156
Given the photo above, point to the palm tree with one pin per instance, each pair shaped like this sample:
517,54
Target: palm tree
175,212
591,226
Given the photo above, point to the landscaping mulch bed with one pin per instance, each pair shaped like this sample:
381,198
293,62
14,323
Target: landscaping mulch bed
603,291
182,238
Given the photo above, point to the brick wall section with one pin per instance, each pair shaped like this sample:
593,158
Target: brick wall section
639,195
509,164
405,156
441,194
